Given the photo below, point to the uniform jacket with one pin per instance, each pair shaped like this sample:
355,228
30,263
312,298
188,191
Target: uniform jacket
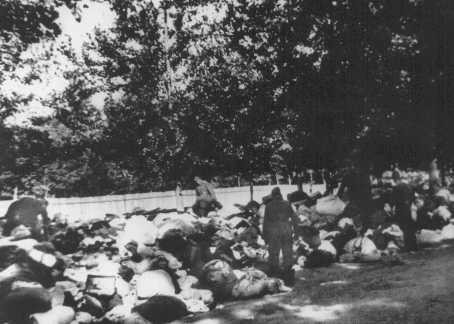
279,218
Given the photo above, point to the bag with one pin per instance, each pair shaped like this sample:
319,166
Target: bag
443,213
344,222
204,295
162,309
19,304
429,237
319,258
155,282
361,245
330,205
448,232
327,247
57,315
445,194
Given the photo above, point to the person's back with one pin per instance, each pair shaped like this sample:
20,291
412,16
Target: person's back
278,211
277,233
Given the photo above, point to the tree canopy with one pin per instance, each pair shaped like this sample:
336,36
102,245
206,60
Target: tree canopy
235,87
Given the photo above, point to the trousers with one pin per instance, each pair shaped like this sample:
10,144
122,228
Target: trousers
280,239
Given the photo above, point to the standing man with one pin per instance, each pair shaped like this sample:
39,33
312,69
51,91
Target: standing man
401,199
277,233
435,183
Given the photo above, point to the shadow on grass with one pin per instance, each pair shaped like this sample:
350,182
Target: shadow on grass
290,309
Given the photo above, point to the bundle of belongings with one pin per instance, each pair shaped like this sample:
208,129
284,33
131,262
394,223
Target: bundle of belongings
142,267
160,265
332,230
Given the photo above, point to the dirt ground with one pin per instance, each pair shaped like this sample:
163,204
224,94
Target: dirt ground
419,291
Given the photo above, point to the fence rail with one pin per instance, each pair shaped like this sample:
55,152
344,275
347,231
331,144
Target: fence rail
85,208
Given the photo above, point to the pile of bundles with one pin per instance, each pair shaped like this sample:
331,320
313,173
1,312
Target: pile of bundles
142,267
434,218
329,233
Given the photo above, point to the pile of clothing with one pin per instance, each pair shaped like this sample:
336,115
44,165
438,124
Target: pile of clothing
141,267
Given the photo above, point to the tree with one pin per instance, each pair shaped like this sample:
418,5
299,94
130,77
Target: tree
22,23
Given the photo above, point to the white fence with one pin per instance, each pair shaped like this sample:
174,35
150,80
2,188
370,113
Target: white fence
96,207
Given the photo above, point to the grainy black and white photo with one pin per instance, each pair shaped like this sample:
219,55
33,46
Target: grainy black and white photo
226,161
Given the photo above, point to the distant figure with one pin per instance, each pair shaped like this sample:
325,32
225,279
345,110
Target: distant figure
30,212
357,182
277,233
205,198
434,178
401,199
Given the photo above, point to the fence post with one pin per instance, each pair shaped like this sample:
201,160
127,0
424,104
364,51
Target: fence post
179,198
251,190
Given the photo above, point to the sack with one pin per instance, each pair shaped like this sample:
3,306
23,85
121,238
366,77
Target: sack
330,205
448,232
344,222
19,304
361,245
445,194
57,315
429,237
327,247
155,282
443,213
83,318
204,295
319,258
162,309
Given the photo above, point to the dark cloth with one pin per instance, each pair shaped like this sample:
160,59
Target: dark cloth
280,239
343,237
278,216
298,195
410,238
277,231
20,303
319,258
401,199
359,187
29,212
359,193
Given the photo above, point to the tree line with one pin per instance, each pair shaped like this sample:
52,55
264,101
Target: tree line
234,87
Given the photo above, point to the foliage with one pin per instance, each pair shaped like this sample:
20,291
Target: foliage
202,87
